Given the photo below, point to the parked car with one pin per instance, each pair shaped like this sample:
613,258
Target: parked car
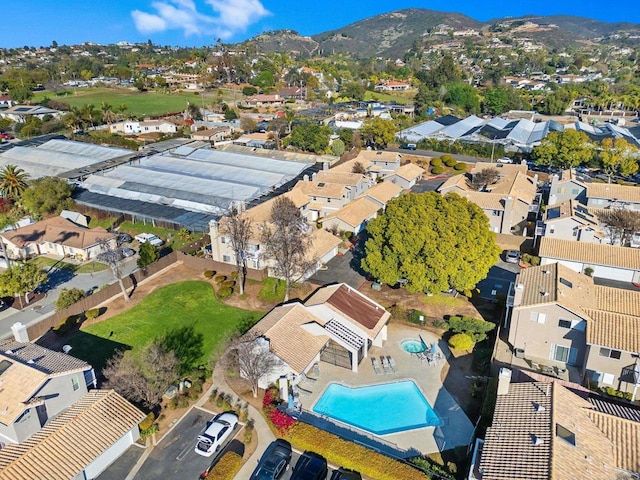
310,466
149,238
274,461
345,474
127,252
124,238
512,256
408,146
6,136
218,431
505,160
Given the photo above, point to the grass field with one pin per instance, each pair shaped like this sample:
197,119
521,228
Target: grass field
89,267
173,238
399,98
147,103
175,305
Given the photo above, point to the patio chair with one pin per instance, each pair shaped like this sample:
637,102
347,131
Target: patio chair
385,364
376,366
392,363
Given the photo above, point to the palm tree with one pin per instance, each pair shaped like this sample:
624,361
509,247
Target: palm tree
107,113
13,181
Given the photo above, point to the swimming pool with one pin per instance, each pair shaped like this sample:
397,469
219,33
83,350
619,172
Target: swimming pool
380,409
413,346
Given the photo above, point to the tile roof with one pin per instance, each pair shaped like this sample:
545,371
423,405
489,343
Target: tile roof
57,230
522,442
511,183
29,367
295,345
378,156
486,201
613,330
615,408
590,253
72,440
571,209
383,192
625,436
355,213
323,242
410,171
623,193
316,188
344,178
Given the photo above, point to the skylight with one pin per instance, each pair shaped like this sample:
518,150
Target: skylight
4,366
565,434
566,282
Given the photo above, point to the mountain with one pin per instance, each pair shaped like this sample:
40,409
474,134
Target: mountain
392,34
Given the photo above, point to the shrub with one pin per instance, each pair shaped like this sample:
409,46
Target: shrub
461,341
148,421
92,313
147,432
248,431
280,420
209,273
588,271
448,160
220,278
437,170
535,261
476,328
227,467
228,284
350,455
69,296
414,317
234,275
460,167
436,162
225,292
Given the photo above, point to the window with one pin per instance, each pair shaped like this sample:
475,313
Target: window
563,354
564,323
538,317
565,434
74,383
603,378
496,213
226,258
575,191
224,240
552,229
610,353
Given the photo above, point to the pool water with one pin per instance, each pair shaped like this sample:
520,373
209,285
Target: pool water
380,409
413,346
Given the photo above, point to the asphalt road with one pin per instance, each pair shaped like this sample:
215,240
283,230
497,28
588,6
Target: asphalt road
431,153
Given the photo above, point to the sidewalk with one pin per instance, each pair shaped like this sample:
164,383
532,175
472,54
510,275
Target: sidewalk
261,429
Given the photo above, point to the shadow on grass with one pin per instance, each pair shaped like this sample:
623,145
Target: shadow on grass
93,349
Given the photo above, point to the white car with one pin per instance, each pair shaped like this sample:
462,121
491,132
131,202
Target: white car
505,160
149,238
221,428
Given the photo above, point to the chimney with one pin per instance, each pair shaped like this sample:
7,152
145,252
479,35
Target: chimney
19,331
305,178
504,379
314,176
325,165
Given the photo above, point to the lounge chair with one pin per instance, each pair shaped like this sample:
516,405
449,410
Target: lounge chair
376,366
385,364
421,356
392,363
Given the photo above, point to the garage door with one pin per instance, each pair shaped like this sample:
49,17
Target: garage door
613,273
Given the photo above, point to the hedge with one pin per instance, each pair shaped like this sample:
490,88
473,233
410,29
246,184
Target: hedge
461,341
225,292
350,455
437,170
148,421
209,273
460,166
220,278
436,162
227,467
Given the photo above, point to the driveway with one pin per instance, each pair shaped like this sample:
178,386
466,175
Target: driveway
341,269
174,458
429,185
123,465
498,280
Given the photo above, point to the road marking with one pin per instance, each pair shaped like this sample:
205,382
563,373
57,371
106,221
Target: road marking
184,452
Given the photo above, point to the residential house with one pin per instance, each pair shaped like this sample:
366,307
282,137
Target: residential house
5,101
353,217
78,444
564,324
507,202
264,100
406,176
324,244
37,385
213,135
392,86
542,430
325,198
602,261
135,127
566,186
56,236
377,163
613,196
21,113
295,93
337,324
383,193
570,220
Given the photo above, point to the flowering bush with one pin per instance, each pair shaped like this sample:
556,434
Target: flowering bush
279,420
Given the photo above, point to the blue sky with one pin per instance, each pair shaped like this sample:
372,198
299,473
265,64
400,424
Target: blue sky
201,22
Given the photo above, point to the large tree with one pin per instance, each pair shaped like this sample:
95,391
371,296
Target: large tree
311,137
288,240
47,195
618,157
237,228
13,181
112,255
566,149
433,242
378,132
20,279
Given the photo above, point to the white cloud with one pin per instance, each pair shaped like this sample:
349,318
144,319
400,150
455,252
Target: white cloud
233,16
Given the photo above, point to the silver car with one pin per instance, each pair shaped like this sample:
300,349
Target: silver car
512,256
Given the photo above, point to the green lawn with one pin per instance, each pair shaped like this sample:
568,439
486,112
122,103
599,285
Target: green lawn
147,103
175,305
89,267
398,97
172,238
101,222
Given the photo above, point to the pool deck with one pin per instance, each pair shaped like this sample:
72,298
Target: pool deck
456,428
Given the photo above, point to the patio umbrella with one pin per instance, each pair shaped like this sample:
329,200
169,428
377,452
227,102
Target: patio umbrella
434,349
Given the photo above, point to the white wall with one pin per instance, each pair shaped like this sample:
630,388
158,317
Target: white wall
111,454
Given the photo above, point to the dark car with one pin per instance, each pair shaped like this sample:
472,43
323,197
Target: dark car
124,238
345,474
408,146
310,466
274,461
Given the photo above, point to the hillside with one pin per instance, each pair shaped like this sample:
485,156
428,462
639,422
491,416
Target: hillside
392,34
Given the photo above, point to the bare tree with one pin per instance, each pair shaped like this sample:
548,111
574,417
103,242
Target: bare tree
288,240
238,228
358,167
620,224
251,357
484,178
142,380
111,254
